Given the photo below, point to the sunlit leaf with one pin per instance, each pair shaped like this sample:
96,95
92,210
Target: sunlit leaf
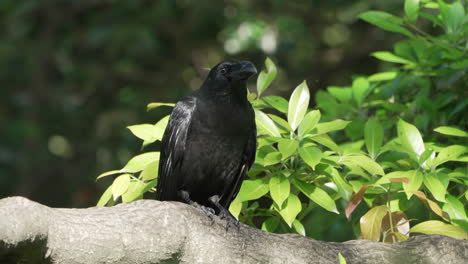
120,185
437,227
310,155
298,227
309,122
147,132
272,158
287,147
326,141
415,181
105,197
364,162
334,125
140,162
291,209
134,192
277,102
235,208
341,258
252,189
410,137
279,188
266,76
317,195
152,106
108,173
264,122
436,185
451,131
150,172
450,153
371,223
298,104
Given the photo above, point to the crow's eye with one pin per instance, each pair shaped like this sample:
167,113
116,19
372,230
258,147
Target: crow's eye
224,69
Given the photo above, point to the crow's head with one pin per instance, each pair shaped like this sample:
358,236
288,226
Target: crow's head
232,71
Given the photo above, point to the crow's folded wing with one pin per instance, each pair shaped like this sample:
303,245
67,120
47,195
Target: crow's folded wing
173,146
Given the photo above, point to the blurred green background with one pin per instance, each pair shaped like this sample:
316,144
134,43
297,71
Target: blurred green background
75,73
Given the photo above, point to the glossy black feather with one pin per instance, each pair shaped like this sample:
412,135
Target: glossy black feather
210,141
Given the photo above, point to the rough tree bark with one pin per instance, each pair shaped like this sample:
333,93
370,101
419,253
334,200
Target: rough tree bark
150,231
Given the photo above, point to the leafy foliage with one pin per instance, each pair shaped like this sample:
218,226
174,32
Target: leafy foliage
399,157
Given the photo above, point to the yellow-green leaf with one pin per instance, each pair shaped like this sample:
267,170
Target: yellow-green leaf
120,185
415,181
364,162
373,135
140,162
235,208
266,76
105,197
410,138
435,183
152,106
371,223
451,131
298,104
309,122
279,189
310,155
291,209
264,122
252,189
437,227
317,195
287,147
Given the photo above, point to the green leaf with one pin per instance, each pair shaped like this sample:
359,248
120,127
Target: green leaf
450,153
435,185
344,189
140,162
364,162
455,209
412,9
107,174
371,223
360,90
281,123
317,195
385,21
341,258
309,122
298,104
235,208
390,57
120,185
266,76
134,192
252,190
453,16
272,158
410,138
310,155
382,76
325,140
373,136
277,102
298,227
279,188
152,106
150,172
146,132
451,131
287,147
438,227
415,181
334,125
291,209
270,224
264,122
344,94
105,197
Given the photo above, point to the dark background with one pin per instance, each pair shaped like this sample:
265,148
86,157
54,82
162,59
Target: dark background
74,74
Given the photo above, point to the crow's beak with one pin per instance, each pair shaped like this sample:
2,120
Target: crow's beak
247,69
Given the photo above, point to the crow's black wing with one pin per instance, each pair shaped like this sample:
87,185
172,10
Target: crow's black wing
248,158
173,146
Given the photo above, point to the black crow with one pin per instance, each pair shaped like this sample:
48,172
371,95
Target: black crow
210,142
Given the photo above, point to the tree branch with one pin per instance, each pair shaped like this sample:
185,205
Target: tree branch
150,231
